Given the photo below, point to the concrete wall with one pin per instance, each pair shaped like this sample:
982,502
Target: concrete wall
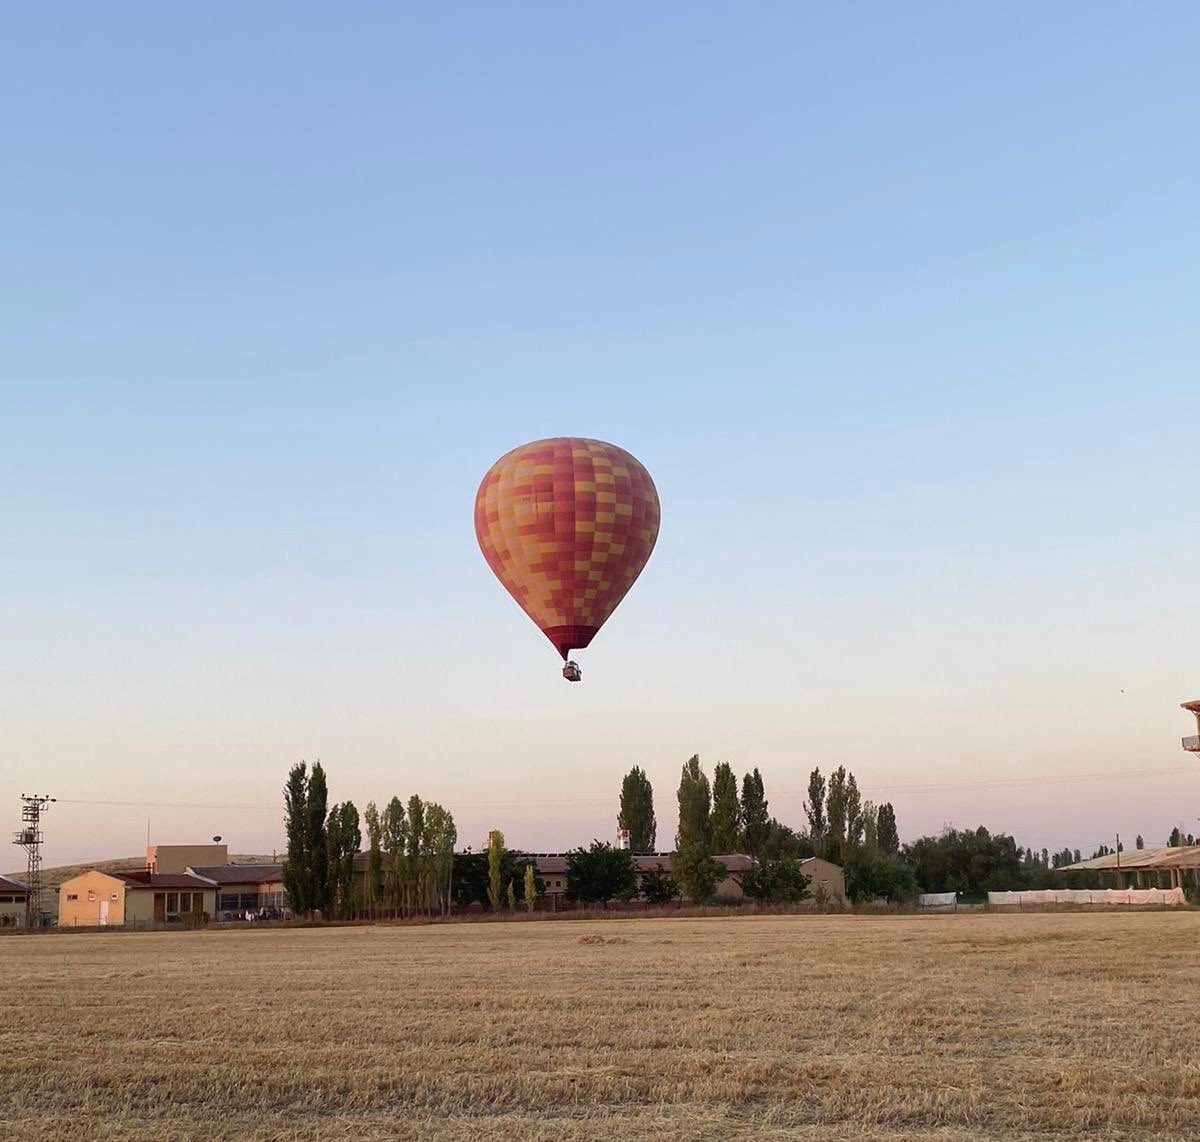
89,889
178,858
12,909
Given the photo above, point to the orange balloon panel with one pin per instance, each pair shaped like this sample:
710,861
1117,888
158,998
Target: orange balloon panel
567,525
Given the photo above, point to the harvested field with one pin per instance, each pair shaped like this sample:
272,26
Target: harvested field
868,1028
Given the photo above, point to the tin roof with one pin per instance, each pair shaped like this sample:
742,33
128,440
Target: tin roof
11,886
241,873
1183,856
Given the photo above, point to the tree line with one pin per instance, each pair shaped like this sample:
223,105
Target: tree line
409,860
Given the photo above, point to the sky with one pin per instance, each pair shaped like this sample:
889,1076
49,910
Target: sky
896,303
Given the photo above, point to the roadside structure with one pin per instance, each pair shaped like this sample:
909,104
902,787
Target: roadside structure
1146,868
13,898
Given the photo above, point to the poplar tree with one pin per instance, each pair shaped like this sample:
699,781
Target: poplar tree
417,878
814,810
870,823
297,877
374,856
442,834
854,816
395,847
835,808
692,865
637,811
725,809
695,806
755,820
318,807
495,853
342,839
886,836
530,887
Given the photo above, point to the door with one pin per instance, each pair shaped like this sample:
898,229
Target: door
103,913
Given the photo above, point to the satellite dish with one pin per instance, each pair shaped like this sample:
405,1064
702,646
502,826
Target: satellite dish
216,840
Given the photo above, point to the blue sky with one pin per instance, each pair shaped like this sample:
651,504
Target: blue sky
897,306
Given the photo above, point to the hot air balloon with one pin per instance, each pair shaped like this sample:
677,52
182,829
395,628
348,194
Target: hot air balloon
567,525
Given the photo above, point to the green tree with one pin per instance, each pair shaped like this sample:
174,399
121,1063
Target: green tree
442,836
374,825
725,810
601,873
781,841
696,873
637,811
695,806
887,838
297,866
658,887
530,888
854,815
495,851
870,825
755,819
342,839
416,887
511,897
872,874
814,810
317,808
471,880
395,847
835,810
775,882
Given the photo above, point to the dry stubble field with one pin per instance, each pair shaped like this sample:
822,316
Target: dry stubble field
996,1027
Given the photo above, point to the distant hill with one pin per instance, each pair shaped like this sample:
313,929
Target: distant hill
53,877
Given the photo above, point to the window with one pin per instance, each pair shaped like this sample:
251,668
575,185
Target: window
7,899
172,901
91,894
72,895
113,896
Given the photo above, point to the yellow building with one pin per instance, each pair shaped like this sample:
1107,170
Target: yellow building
13,895
134,899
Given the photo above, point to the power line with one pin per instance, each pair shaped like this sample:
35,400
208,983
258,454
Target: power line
932,787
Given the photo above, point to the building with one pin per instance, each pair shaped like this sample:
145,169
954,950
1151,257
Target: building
13,899
1146,868
179,858
825,872
98,899
1192,743
245,887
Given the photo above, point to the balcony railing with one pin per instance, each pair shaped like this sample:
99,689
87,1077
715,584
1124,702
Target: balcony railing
1192,744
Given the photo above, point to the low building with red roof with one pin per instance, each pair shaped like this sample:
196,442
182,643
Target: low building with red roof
13,897
141,898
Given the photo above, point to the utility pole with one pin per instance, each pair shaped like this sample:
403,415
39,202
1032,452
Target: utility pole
30,839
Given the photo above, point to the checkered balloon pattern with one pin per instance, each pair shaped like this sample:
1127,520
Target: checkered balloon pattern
567,525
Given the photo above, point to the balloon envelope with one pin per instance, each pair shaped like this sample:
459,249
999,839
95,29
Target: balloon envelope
567,525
